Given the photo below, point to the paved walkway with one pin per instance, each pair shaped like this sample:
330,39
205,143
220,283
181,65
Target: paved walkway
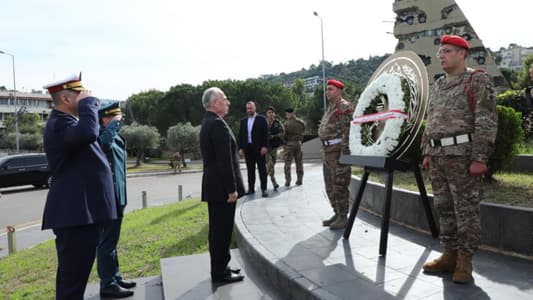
284,236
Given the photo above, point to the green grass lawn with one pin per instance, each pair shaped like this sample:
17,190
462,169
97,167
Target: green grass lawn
510,188
147,235
159,167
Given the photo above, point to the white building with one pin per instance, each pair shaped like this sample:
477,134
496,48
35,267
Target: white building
26,102
312,82
514,56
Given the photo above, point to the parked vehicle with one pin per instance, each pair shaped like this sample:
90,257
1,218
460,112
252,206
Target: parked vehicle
24,169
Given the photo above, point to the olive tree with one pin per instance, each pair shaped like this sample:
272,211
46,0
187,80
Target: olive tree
183,137
140,138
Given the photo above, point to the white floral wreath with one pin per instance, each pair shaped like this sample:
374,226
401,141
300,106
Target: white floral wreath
394,118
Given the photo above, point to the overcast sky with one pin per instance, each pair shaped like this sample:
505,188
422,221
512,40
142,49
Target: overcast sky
128,46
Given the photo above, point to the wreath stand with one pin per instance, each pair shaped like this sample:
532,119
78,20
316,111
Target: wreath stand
388,164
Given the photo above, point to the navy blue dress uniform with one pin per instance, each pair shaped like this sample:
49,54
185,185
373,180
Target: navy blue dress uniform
81,196
114,146
221,177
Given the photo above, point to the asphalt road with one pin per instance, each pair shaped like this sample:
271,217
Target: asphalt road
23,206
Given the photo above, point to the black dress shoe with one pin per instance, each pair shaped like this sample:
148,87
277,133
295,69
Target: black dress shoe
234,271
264,194
276,187
251,192
127,284
115,291
228,278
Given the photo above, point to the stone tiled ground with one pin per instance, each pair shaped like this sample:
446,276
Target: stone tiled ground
283,236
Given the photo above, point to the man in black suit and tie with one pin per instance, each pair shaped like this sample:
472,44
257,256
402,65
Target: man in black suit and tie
253,145
81,196
221,182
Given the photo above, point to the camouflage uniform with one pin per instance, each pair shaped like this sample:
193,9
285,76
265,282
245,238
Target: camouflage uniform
276,131
335,124
456,192
294,135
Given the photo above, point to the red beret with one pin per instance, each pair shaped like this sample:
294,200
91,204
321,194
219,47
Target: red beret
336,83
454,40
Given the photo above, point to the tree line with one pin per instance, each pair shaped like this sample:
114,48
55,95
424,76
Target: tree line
169,120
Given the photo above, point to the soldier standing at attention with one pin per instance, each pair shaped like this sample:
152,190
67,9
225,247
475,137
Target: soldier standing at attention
459,138
275,139
294,135
334,133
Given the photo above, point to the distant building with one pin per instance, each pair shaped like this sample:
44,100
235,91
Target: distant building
36,102
26,103
420,24
514,56
311,83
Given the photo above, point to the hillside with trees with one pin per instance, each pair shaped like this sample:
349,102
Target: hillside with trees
355,71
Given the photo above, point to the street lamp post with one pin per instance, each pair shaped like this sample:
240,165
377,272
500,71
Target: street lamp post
14,98
323,61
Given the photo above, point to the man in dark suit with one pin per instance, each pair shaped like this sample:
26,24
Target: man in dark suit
114,146
221,182
253,145
81,197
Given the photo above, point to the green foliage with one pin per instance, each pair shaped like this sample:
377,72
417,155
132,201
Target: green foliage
142,108
510,76
516,100
523,78
298,89
140,138
355,71
182,103
183,137
509,135
30,132
147,236
512,98
526,147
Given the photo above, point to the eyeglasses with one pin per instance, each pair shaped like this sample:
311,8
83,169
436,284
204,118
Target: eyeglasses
445,51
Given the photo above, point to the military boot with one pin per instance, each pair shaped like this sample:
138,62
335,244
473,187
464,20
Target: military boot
339,223
329,221
274,183
463,270
445,263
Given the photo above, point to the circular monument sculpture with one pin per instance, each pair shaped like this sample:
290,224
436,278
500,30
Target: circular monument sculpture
388,116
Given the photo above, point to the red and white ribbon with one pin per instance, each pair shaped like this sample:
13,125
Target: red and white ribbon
380,116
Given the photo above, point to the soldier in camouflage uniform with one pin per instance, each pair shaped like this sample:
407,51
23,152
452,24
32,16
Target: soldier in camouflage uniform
459,138
294,135
334,133
275,139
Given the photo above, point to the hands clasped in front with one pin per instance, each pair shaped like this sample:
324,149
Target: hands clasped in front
476,168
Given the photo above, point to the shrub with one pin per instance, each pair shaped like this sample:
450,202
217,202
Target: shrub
509,135
516,99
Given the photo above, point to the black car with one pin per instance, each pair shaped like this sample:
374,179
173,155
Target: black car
24,169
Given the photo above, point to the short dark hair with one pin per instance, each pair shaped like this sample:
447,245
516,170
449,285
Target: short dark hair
271,108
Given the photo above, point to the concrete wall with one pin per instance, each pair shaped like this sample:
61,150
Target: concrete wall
521,163
503,227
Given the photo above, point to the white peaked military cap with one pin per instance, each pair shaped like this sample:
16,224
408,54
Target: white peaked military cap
72,82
